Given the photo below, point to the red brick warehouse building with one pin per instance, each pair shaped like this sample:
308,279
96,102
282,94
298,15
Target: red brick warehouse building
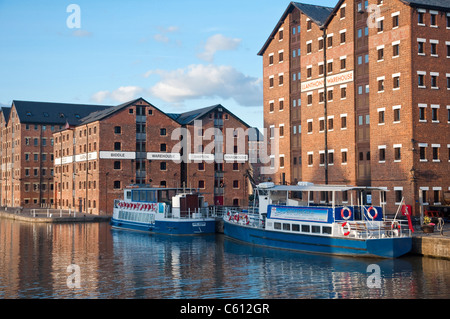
361,93
81,157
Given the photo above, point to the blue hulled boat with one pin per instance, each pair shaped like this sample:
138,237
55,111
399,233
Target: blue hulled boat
338,228
170,211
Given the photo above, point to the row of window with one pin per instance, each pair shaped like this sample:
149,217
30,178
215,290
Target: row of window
314,229
434,79
330,157
434,52
435,152
432,18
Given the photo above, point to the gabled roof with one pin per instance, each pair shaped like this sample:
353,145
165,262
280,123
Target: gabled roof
53,113
318,14
102,114
188,118
429,4
6,111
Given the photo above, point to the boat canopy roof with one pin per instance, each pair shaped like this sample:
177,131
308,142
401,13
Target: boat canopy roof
310,187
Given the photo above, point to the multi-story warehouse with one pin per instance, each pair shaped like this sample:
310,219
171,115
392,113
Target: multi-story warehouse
80,157
366,88
27,149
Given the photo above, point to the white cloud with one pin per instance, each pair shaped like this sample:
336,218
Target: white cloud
211,81
122,94
162,35
216,43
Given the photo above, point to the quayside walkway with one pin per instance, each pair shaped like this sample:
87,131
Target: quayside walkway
43,215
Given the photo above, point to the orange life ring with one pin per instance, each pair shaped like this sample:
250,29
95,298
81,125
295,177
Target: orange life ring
348,228
370,215
349,213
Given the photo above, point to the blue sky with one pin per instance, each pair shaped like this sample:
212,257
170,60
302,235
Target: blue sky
178,55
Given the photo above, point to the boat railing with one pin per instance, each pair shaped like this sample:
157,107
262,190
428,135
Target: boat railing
386,228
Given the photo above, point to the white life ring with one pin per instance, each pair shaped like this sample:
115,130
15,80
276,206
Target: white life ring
349,213
346,225
370,215
246,219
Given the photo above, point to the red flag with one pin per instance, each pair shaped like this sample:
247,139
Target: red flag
405,212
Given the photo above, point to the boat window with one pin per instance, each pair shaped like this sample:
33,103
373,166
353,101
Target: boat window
277,225
305,228
129,195
295,227
315,229
326,230
286,226
135,196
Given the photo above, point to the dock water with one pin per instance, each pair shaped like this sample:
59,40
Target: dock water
434,244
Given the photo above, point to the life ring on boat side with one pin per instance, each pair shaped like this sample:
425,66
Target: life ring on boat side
229,215
246,220
344,225
396,225
236,217
370,215
349,213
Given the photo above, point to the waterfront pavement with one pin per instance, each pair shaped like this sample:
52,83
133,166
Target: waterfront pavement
44,215
436,244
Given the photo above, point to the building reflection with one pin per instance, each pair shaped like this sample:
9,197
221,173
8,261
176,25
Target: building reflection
122,264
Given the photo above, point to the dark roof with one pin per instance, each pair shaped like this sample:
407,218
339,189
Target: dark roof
318,14
425,4
6,111
54,113
101,114
188,118
429,4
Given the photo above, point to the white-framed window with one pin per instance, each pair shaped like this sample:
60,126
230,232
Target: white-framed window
421,79
424,190
423,112
396,81
381,153
398,193
397,153
421,46
423,152
435,113
344,156
396,110
381,115
395,49
434,47
435,151
433,18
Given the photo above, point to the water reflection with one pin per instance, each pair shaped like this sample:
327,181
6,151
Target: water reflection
121,264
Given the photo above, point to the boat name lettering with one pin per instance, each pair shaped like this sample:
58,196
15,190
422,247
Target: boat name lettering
309,214
198,224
